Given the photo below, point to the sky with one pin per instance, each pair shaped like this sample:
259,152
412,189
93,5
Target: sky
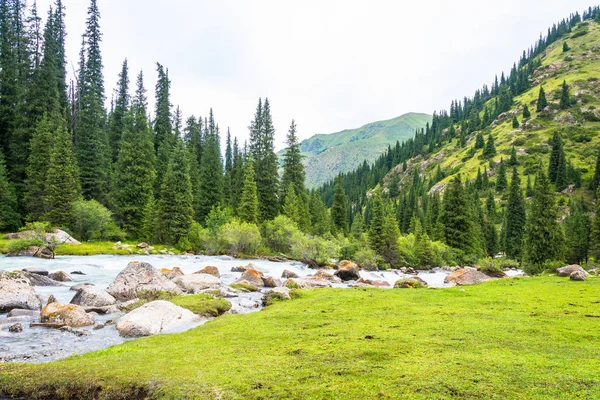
328,64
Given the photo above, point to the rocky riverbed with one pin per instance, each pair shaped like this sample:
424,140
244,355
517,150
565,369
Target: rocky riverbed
87,294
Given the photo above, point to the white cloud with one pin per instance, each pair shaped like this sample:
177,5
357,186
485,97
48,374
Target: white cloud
329,64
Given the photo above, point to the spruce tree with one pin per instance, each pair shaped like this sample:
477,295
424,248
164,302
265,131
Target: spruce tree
339,221
565,100
384,232
293,169
515,122
423,250
135,173
237,175
175,210
513,161
479,141
542,102
211,171
555,157
164,139
10,219
319,217
92,148
228,179
577,232
565,47
561,173
544,237
514,224
62,186
490,148
121,106
501,181
290,207
38,165
248,206
595,183
490,208
526,112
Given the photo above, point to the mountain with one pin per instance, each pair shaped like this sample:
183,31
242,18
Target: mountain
326,155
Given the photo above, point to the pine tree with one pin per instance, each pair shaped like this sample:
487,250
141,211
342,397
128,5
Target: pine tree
293,169
423,250
515,122
237,175
37,167
501,181
565,100
62,186
248,207
211,171
595,183
526,112
384,232
514,225
175,210
290,207
513,161
135,173
565,47
479,141
555,157
339,221
116,127
90,134
577,232
544,237
319,217
10,219
490,235
542,102
164,139
561,173
529,188
228,179
490,148
490,207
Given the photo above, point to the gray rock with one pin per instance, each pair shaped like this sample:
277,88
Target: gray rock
16,292
287,274
578,276
77,273
271,282
34,251
37,271
92,296
347,271
40,280
66,314
252,276
16,328
138,277
569,269
172,273
61,276
467,276
195,283
80,286
154,318
17,312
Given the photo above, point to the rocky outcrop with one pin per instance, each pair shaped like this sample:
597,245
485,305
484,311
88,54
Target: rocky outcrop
369,282
578,276
271,282
153,318
320,274
92,296
347,271
172,273
195,283
16,292
252,276
61,276
140,277
214,271
56,236
34,251
308,283
569,269
287,274
66,314
279,293
39,280
36,270
410,283
467,276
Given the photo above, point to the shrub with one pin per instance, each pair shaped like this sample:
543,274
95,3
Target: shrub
200,240
507,263
314,250
489,266
367,260
409,284
238,237
16,245
93,221
280,234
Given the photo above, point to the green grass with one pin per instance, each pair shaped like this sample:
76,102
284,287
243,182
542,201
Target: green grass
92,248
202,304
534,338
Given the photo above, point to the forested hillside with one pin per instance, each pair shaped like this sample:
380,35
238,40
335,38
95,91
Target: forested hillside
512,169
327,155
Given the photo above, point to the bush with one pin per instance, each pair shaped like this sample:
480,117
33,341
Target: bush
314,250
200,240
280,234
238,237
93,221
489,266
367,260
409,284
16,245
507,263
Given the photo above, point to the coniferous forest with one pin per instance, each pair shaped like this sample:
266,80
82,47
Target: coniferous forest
113,173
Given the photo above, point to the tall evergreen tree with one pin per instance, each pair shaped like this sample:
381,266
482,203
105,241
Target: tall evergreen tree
595,183
339,220
384,232
211,171
228,180
135,173
514,225
501,181
175,210
9,217
319,217
121,106
479,141
526,112
542,102
544,237
490,148
164,139
565,100
90,134
577,232
248,206
555,156
237,175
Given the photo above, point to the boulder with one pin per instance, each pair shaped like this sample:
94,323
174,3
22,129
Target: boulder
287,274
578,276
410,283
16,292
467,276
320,274
271,282
214,271
92,296
34,251
172,273
39,280
195,283
77,273
279,293
313,283
347,271
242,268
17,312
139,277
153,318
16,328
80,286
66,314
252,276
369,282
142,245
36,270
569,269
61,276
60,237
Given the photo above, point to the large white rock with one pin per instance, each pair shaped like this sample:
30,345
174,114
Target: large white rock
16,292
154,318
195,283
66,314
92,296
139,277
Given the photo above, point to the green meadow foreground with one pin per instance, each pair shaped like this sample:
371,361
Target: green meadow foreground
527,338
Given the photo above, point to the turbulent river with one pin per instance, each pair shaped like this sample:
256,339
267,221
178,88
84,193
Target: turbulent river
41,344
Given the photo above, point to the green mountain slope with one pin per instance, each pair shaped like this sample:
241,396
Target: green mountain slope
326,155
578,125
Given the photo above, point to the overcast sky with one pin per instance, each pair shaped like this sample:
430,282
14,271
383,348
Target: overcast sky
328,64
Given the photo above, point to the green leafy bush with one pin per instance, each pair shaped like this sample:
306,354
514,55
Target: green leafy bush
281,234
367,260
16,245
238,237
93,221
